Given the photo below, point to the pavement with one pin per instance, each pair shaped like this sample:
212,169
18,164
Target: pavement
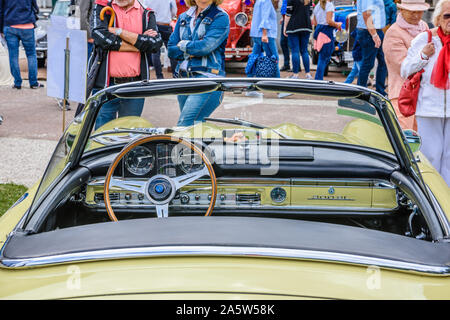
33,125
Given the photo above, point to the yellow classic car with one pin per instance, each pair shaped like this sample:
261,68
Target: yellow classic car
318,195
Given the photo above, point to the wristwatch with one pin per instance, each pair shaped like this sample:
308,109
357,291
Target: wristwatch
118,31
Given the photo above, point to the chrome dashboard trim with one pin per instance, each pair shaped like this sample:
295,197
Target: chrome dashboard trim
262,208
215,251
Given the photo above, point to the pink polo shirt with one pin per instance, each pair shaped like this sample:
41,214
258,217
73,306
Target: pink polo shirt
23,26
127,64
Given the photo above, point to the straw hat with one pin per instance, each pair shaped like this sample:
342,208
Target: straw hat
414,5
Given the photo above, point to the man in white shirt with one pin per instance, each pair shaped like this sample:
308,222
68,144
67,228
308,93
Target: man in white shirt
165,11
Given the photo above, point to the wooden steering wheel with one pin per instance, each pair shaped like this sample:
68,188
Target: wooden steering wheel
159,189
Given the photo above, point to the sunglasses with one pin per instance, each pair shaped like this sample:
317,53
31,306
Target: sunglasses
446,16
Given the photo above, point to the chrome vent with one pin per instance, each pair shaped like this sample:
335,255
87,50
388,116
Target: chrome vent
99,197
254,198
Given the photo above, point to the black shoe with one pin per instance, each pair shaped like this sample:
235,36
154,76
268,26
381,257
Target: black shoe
17,87
37,86
285,68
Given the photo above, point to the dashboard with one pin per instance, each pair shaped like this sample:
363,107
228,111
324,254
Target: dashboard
254,177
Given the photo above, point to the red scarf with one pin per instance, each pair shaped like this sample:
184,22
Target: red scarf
439,76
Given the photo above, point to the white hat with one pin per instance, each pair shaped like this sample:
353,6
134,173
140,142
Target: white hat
414,5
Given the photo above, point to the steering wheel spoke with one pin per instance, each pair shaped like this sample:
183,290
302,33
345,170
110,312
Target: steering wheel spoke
162,210
186,179
127,185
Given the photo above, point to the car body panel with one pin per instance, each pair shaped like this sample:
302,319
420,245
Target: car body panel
222,278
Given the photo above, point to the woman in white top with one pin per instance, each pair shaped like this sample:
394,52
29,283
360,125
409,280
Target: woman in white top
433,105
323,18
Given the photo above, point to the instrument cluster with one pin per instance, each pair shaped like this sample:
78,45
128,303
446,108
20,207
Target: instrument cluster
169,159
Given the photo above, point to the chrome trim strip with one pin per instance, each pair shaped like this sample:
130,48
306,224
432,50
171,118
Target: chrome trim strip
171,251
286,209
373,184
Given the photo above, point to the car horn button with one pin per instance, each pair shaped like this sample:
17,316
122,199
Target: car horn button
160,189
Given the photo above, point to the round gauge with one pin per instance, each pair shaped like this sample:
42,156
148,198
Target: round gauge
188,160
139,161
278,195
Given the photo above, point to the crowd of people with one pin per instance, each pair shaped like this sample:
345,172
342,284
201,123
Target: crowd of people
390,40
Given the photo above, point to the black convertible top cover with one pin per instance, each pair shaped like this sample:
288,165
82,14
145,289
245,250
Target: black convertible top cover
228,231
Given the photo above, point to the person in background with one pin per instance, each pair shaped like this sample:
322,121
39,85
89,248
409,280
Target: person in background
433,104
165,12
198,43
297,27
284,40
85,14
126,45
371,19
17,23
390,10
264,30
323,19
357,58
397,41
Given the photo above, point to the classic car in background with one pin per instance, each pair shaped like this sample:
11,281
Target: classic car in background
40,35
320,196
239,43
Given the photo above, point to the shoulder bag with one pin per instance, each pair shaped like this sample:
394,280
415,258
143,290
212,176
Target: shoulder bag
409,93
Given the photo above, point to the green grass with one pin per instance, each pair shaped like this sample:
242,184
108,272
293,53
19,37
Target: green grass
9,193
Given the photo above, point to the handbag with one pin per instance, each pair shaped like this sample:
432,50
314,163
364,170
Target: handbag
409,93
266,67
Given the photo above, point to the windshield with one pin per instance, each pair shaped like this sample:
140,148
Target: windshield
241,116
61,8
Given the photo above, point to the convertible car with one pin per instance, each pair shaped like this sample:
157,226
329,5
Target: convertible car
319,195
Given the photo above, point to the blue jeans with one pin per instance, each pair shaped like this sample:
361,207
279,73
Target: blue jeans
270,49
325,52
298,42
355,72
284,47
369,53
196,107
324,59
13,37
165,32
118,108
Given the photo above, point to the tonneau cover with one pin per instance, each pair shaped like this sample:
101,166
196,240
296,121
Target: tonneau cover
227,232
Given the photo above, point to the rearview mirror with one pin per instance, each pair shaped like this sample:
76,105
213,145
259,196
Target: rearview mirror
413,139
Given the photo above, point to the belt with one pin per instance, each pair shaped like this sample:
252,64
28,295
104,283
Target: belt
163,24
124,80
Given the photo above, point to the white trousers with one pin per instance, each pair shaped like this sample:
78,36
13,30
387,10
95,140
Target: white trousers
435,134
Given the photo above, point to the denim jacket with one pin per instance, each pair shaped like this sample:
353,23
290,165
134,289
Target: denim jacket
200,47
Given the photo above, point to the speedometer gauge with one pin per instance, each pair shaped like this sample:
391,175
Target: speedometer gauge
140,161
188,160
